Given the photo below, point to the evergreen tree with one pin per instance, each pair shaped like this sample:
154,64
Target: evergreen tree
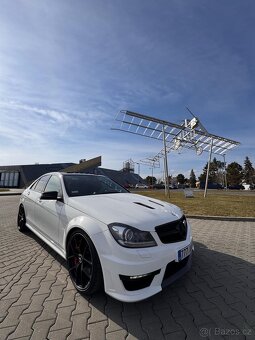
234,174
192,179
216,172
248,171
151,180
180,179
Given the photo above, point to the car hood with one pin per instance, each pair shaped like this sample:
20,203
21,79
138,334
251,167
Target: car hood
135,210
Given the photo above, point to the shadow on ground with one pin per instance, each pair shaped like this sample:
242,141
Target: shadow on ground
216,299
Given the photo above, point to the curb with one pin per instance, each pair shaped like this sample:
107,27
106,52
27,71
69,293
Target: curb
9,193
222,218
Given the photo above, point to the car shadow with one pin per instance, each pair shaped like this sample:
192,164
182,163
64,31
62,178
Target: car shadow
215,297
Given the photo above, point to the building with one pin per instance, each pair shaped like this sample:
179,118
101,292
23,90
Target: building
21,176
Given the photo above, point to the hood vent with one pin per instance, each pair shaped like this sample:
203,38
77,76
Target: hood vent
156,203
144,205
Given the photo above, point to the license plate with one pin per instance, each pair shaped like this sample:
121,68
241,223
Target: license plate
184,252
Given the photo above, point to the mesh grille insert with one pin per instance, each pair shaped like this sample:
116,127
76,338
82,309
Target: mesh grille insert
172,232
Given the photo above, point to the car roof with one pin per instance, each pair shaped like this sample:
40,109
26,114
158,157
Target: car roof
78,174
70,174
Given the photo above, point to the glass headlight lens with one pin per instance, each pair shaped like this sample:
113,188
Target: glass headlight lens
131,237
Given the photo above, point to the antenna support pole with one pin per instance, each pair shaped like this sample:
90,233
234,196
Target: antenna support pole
225,172
208,167
167,192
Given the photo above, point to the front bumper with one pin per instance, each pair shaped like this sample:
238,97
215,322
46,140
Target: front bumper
148,269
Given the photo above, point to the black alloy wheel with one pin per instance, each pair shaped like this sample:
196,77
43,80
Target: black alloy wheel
21,221
83,263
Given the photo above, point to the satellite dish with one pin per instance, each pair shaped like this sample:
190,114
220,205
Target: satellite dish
199,150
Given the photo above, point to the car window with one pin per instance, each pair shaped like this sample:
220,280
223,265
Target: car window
33,185
54,184
40,185
84,185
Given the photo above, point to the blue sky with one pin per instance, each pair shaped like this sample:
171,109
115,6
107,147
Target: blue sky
67,68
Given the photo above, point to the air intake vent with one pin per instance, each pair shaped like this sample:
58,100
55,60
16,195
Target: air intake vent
156,203
144,205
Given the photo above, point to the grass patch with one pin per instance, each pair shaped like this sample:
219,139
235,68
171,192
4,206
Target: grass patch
2,189
217,203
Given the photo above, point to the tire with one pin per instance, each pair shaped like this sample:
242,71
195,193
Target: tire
83,263
21,220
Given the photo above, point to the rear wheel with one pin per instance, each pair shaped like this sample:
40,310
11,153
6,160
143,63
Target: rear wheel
83,263
21,221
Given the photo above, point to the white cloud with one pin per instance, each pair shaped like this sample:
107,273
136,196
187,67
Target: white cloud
66,70
49,116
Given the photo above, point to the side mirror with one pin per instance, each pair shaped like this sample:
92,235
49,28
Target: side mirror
49,195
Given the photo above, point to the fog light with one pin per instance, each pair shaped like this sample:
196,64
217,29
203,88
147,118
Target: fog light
138,276
136,282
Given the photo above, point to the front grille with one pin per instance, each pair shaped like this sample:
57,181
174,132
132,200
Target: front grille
173,267
172,232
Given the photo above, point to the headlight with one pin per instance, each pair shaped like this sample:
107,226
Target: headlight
131,237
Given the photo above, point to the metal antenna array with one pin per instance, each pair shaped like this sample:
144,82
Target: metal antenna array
152,163
191,134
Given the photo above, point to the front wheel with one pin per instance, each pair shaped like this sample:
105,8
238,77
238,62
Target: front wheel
21,220
83,263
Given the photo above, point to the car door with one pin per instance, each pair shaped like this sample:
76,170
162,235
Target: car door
48,212
32,194
28,202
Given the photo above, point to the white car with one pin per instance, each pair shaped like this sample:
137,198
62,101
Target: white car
129,244
141,186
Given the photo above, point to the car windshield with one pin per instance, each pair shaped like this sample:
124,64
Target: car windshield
84,185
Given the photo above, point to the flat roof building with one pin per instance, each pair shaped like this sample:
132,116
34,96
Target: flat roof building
21,176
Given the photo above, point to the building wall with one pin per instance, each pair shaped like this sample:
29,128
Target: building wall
26,174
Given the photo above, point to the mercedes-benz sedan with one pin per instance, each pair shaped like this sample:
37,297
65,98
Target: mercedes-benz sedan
129,244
